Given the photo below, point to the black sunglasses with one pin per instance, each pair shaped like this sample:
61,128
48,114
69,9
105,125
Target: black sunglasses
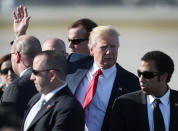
76,41
148,74
5,71
36,72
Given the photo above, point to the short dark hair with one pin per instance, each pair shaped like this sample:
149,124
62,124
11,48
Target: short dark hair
86,23
4,58
163,62
55,60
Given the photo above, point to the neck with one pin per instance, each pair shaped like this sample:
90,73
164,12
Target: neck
162,92
53,87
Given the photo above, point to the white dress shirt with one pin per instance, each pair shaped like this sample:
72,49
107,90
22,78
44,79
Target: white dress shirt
164,107
95,111
34,110
21,74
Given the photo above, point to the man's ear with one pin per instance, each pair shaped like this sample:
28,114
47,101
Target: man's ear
163,77
18,57
52,75
91,51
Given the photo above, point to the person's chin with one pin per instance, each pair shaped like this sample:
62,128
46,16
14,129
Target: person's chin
109,63
145,90
72,51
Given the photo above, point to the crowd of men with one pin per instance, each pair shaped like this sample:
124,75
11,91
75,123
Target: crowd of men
86,89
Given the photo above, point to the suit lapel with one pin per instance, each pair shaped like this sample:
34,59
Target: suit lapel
75,79
78,77
173,110
48,106
31,105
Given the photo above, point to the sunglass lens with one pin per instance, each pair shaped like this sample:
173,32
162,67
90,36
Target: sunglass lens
5,71
76,41
139,73
35,72
148,75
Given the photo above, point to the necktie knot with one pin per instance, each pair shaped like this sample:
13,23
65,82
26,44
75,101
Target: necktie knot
98,72
157,102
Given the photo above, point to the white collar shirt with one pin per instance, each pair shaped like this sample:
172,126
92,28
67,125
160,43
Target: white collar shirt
23,72
95,111
48,96
164,107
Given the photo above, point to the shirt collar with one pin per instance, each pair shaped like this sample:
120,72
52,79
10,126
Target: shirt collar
106,72
48,96
23,72
164,99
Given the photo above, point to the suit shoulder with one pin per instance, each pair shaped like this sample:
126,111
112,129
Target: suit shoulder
128,80
128,100
68,101
126,73
34,98
174,94
174,91
74,57
131,95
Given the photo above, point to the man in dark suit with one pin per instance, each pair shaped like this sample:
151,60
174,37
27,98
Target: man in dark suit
114,81
137,111
20,91
59,109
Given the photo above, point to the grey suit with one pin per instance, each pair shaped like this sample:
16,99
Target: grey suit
125,81
19,92
130,112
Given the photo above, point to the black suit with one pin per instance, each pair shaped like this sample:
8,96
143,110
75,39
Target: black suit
125,81
130,112
19,92
61,113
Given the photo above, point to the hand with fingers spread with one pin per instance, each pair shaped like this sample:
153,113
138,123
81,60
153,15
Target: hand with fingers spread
21,21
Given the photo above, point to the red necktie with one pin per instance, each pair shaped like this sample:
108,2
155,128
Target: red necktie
158,118
92,88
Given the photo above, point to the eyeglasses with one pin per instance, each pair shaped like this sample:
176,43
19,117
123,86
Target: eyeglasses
12,53
76,41
147,74
36,72
5,71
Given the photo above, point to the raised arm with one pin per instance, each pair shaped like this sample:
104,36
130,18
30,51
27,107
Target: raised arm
21,21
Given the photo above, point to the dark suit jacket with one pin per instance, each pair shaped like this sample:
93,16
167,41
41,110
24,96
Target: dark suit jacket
130,112
19,92
61,113
125,81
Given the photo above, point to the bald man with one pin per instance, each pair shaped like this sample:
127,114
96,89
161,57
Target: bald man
55,44
20,91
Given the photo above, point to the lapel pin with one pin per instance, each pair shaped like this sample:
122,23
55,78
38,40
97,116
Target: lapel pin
49,106
176,104
120,89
